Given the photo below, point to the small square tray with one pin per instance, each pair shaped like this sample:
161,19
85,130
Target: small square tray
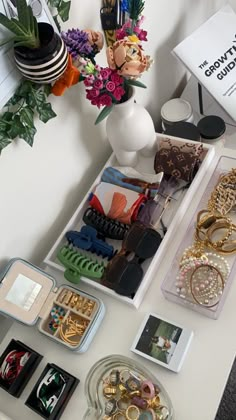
223,165
17,387
149,266
35,404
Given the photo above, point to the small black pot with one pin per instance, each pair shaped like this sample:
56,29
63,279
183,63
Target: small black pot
47,63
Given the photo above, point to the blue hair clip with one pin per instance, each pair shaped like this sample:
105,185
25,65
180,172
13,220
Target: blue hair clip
87,239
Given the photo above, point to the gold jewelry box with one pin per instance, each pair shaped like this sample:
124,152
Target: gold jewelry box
66,315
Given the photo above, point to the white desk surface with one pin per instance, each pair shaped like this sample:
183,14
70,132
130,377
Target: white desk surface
195,391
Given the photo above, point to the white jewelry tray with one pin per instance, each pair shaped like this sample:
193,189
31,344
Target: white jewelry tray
150,266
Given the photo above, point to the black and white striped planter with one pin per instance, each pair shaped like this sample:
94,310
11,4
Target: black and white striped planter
47,63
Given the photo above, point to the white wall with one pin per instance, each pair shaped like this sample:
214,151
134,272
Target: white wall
41,187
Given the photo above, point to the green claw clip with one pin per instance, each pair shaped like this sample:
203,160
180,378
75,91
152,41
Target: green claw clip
78,265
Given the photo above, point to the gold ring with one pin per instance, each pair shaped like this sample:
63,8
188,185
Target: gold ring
80,303
119,415
74,300
132,412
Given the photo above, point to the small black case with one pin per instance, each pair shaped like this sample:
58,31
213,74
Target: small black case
34,403
24,376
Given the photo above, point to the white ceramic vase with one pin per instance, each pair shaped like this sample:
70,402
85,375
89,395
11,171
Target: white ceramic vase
130,129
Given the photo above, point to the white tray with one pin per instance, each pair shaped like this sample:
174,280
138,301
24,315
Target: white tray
150,266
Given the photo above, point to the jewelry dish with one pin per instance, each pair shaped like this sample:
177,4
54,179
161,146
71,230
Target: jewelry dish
119,386
66,315
203,267
173,216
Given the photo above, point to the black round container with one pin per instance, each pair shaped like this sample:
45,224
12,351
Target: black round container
211,128
47,63
184,130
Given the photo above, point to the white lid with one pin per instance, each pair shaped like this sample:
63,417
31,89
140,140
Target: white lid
176,110
23,291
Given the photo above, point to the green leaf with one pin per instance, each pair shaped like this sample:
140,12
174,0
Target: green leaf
22,11
27,117
57,23
6,41
7,116
54,3
64,10
103,114
36,98
4,141
135,9
135,83
10,25
24,88
28,135
47,89
16,128
46,112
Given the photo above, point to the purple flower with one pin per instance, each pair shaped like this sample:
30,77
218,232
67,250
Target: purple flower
77,43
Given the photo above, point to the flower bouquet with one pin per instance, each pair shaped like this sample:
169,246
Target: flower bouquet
107,86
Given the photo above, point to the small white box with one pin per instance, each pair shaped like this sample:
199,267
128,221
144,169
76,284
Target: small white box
149,266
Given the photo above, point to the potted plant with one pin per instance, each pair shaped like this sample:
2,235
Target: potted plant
40,53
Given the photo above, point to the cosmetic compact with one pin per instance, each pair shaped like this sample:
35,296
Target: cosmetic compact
64,314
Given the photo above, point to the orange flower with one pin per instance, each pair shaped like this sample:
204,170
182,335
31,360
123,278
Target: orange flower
127,58
69,78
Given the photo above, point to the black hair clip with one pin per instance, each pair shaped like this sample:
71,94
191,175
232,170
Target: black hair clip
108,227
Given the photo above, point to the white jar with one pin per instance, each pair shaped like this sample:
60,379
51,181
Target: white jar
176,110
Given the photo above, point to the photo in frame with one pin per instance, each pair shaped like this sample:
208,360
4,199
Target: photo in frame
162,341
10,77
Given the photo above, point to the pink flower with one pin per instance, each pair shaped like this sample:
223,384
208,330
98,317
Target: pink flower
105,100
98,84
110,86
96,102
118,93
142,35
92,93
116,79
88,82
105,73
120,34
91,77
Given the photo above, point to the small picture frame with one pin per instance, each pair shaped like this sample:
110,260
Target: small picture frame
162,341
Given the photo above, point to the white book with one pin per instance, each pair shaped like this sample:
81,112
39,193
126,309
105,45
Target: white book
209,53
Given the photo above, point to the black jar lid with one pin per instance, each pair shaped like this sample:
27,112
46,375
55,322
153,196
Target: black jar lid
211,127
184,130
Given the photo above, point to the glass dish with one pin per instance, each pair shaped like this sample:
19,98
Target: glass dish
95,383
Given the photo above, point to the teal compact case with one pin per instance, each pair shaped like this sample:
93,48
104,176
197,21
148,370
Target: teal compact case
64,314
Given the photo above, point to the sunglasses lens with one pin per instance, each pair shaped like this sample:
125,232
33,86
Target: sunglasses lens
123,276
130,279
149,244
143,241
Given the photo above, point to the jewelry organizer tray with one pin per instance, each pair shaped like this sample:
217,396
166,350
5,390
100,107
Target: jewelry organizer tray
66,315
171,219
226,262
